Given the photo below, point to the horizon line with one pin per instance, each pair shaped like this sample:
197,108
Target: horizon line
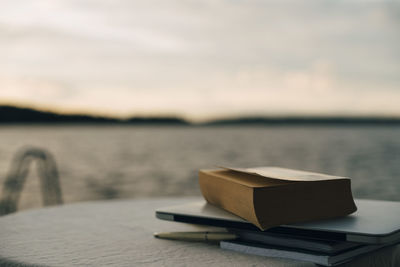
61,117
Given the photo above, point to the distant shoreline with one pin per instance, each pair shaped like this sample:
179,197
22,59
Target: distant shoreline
11,115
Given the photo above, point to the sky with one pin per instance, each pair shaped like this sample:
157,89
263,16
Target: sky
202,58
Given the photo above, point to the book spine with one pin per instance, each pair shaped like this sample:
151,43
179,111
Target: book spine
303,201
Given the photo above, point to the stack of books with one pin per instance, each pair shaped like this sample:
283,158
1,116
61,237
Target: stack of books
292,214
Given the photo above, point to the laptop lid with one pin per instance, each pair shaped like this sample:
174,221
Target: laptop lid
375,221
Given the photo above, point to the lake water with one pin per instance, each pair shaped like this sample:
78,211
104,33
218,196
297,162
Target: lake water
102,162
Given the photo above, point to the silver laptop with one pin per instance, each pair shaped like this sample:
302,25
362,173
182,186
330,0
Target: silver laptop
375,222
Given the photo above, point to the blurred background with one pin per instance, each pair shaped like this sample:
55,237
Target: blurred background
133,97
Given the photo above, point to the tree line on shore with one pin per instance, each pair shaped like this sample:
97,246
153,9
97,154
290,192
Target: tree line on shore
21,115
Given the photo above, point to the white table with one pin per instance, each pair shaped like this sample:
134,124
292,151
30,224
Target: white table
119,233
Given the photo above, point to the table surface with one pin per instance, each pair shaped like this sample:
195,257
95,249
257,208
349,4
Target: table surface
120,233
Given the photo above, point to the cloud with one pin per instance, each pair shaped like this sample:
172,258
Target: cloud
202,57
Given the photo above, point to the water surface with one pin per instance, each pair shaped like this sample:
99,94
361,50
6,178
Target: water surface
102,162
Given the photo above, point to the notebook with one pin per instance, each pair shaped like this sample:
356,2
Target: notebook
299,254
314,244
375,222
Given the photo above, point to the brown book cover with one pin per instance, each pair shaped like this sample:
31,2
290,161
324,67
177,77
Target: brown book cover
272,196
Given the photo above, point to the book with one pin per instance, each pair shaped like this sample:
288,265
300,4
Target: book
299,254
292,241
272,196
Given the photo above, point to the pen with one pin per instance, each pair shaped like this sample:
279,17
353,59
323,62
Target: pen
197,236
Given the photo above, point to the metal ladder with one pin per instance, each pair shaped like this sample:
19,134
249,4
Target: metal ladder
14,182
